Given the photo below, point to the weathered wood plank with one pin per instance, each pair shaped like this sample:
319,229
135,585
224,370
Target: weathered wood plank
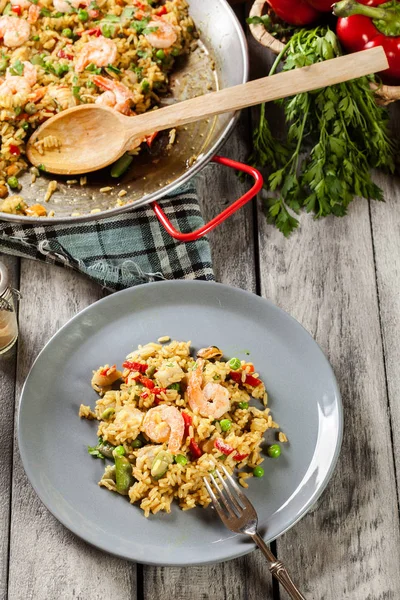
324,276
7,388
47,561
386,236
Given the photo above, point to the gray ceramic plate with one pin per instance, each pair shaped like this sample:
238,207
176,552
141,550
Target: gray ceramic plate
304,398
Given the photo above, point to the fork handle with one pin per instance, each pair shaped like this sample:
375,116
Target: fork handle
278,569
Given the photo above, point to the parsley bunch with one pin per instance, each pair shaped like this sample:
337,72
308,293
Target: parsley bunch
336,135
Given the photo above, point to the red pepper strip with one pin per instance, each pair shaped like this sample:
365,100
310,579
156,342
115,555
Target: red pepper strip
295,12
95,31
361,26
194,449
63,54
103,372
144,395
147,382
240,457
14,150
135,366
163,11
223,447
150,138
250,380
16,9
188,421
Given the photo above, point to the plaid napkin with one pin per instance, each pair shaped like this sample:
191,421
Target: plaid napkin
120,251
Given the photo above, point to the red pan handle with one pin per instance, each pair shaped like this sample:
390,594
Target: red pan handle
195,235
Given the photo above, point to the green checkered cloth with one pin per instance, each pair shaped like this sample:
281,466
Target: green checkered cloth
121,251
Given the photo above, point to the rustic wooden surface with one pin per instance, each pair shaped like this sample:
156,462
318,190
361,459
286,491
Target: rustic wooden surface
341,279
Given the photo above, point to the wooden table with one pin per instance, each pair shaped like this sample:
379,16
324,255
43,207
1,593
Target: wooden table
341,279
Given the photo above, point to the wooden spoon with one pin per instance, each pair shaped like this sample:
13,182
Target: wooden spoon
91,136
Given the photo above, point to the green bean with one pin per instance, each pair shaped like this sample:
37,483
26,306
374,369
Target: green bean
175,386
122,165
123,471
107,413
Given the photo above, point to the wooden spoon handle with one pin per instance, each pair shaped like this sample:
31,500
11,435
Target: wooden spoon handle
282,85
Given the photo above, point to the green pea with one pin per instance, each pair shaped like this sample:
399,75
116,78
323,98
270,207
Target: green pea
145,86
25,126
67,32
258,472
181,459
30,108
234,364
83,15
175,386
18,110
175,52
243,405
137,443
13,182
274,451
160,54
225,424
35,38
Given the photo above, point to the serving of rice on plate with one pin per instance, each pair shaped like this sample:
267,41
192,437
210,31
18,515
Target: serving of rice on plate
167,419
57,54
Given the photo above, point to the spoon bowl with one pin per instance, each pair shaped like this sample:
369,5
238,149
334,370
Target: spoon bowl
91,136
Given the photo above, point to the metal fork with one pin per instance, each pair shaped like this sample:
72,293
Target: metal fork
239,515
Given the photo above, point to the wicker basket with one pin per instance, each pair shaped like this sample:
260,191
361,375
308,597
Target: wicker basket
385,93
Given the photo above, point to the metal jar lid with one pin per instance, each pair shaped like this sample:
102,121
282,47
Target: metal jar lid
4,279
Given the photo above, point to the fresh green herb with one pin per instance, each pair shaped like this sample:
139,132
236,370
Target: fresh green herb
243,405
37,59
60,69
234,364
138,71
336,135
18,110
281,29
67,32
111,18
57,15
45,12
113,69
142,53
18,207
108,30
145,86
25,126
75,90
95,452
90,84
175,386
148,30
127,13
42,168
93,69
17,68
139,26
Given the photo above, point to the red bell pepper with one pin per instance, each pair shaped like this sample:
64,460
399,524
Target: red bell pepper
95,31
250,380
194,449
295,12
15,151
150,138
16,9
163,11
188,421
135,366
62,54
361,26
147,382
240,457
223,447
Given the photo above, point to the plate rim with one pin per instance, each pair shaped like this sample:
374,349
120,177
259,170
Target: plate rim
247,547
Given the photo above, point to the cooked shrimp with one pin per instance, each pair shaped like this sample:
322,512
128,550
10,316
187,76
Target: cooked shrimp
118,95
131,417
15,85
69,6
100,51
33,13
106,376
169,372
29,73
14,31
164,34
210,401
165,423
63,96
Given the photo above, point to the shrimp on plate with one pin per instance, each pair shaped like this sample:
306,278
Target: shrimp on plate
14,31
212,400
19,84
69,6
162,34
33,13
100,51
63,96
165,424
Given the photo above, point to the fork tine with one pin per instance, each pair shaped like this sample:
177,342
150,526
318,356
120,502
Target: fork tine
223,497
241,497
214,499
231,496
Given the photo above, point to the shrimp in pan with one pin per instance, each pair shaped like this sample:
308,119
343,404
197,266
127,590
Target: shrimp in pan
212,400
165,424
161,33
14,31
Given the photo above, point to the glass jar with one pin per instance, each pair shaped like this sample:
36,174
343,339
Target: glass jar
8,315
